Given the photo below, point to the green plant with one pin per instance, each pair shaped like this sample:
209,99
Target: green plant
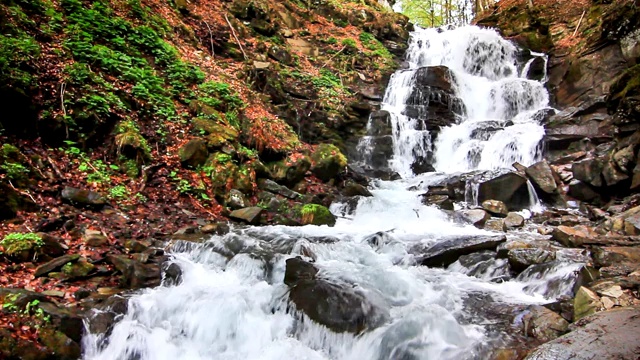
349,43
118,192
14,171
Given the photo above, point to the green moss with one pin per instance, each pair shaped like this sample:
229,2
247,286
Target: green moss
314,214
16,243
130,142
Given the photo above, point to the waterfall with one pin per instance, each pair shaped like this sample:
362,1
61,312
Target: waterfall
460,105
496,124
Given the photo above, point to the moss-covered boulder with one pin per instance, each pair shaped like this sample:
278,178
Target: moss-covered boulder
194,153
314,214
59,344
328,161
290,170
130,142
77,269
21,247
217,134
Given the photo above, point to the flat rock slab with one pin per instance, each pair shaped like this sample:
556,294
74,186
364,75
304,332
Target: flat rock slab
612,334
447,251
55,264
250,215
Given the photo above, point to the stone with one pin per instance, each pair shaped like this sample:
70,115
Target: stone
589,171
614,291
59,344
136,275
261,65
495,224
303,47
520,259
572,236
612,175
477,217
64,319
616,255
272,186
250,215
338,307
510,188
194,153
632,224
352,188
315,214
447,251
236,199
289,171
582,191
55,264
624,158
280,54
328,161
95,238
78,269
543,324
513,221
83,197
585,303
541,176
441,201
611,334
495,207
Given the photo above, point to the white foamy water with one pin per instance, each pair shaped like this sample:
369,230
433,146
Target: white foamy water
232,303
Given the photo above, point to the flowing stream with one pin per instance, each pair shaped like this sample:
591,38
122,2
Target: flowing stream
232,302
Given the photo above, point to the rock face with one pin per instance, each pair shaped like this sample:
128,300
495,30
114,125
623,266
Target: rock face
611,334
338,307
446,252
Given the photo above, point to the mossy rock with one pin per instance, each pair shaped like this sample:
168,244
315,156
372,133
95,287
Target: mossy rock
59,344
217,134
244,179
11,202
328,161
21,247
78,269
290,170
194,153
223,172
13,165
314,214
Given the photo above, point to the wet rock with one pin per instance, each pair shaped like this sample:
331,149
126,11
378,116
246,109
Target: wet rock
520,259
441,201
352,188
379,124
543,324
513,221
585,303
216,228
495,224
338,307
484,265
495,207
64,319
289,171
477,217
272,186
105,314
59,344
95,238
55,264
250,215
611,334
83,197
172,274
510,188
447,251
136,275
314,214
542,177
328,161
194,153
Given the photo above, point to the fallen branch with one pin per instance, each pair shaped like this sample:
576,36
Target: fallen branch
233,32
22,192
579,23
54,167
210,38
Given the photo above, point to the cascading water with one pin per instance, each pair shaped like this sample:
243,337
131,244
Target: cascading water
232,303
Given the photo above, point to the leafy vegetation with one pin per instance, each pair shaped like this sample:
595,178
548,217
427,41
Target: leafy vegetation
15,243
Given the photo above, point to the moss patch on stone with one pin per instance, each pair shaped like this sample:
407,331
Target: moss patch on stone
314,214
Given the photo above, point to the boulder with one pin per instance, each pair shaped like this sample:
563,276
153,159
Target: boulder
236,199
495,207
290,171
513,220
520,259
135,274
510,188
83,197
314,214
95,238
250,215
541,176
543,324
351,188
589,171
585,303
441,201
75,270
379,123
612,175
477,217
328,161
582,191
194,153
611,334
495,224
337,306
572,236
448,250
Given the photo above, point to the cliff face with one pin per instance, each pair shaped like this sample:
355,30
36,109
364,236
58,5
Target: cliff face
125,120
593,49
